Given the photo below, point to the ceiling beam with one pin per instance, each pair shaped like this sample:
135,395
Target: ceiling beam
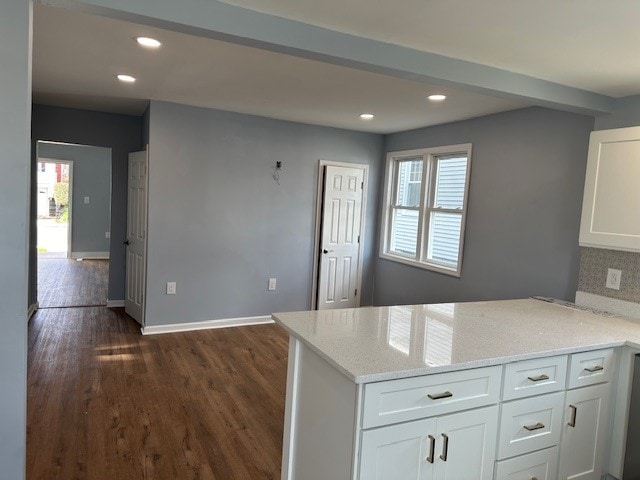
221,21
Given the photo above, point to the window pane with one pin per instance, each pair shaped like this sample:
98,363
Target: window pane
444,240
409,182
452,172
404,232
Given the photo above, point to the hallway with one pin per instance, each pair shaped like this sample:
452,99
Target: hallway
65,282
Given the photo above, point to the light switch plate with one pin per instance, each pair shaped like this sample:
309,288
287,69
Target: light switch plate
272,284
171,288
87,200
613,278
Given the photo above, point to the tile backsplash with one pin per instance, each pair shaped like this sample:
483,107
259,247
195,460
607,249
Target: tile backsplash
594,263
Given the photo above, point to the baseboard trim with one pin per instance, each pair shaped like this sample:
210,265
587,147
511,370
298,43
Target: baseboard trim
205,325
90,255
33,308
115,303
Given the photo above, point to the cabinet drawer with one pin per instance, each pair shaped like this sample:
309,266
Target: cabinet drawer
419,397
540,465
589,368
530,424
534,377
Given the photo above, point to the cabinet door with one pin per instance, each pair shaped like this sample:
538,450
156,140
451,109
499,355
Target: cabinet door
584,433
399,451
467,445
611,195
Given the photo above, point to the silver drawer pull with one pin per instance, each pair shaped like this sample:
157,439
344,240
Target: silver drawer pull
445,447
531,428
597,368
438,396
574,413
432,448
539,378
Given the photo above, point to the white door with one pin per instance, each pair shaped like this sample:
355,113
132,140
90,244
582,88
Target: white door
585,429
340,238
136,243
406,451
467,445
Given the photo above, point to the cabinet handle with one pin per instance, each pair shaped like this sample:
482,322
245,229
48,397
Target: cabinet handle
597,368
445,447
574,413
539,378
438,396
432,448
531,428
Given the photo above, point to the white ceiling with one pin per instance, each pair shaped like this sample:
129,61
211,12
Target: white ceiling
77,55
587,44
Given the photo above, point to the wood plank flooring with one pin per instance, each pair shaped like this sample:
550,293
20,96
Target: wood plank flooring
104,402
64,282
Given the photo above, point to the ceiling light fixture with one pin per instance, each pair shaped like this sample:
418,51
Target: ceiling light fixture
148,42
367,116
125,78
438,97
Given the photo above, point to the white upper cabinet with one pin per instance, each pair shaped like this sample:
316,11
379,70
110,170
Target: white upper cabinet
611,204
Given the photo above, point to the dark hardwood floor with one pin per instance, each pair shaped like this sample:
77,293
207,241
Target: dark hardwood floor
66,282
104,402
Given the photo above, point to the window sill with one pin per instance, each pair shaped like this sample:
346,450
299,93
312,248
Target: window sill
424,265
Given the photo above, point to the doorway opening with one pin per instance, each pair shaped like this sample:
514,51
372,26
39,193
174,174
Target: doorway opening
73,209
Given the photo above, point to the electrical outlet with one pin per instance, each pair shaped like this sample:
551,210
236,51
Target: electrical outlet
613,278
272,284
171,288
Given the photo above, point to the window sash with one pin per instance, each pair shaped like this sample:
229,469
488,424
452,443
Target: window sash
426,208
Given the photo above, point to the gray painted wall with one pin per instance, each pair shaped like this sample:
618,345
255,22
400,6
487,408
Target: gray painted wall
220,226
121,133
15,116
527,178
626,113
91,178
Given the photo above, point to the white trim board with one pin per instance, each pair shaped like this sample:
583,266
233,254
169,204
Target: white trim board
115,303
205,325
90,255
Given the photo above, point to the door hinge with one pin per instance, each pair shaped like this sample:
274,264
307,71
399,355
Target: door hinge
362,186
355,294
358,238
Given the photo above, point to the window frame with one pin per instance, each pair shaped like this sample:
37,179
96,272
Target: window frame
425,208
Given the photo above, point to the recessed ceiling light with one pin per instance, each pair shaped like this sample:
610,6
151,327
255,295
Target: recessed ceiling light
367,116
126,78
148,42
437,97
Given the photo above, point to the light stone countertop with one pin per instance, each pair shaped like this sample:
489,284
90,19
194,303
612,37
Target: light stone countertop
373,344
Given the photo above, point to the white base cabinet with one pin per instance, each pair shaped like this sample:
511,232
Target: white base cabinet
584,435
451,447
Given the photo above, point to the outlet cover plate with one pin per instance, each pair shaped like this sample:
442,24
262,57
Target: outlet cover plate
613,278
171,288
272,284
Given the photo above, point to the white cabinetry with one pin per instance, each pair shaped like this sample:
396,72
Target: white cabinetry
451,447
584,435
611,200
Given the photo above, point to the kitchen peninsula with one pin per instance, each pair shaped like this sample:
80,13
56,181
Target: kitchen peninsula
501,389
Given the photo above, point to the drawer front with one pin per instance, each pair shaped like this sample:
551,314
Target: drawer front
420,397
530,424
534,377
541,465
589,368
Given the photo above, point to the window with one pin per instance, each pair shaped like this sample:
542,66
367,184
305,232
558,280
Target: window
425,207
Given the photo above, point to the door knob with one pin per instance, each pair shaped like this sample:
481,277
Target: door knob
326,251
